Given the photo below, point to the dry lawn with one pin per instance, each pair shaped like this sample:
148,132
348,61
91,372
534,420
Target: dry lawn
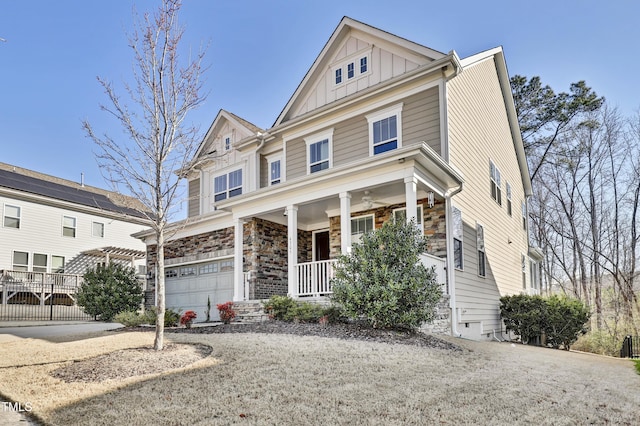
283,379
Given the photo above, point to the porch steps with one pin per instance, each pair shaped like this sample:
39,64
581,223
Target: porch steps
249,311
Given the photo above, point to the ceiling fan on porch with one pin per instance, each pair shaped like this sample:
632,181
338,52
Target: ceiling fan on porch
368,201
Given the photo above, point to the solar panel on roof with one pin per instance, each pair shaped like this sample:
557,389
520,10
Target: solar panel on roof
58,191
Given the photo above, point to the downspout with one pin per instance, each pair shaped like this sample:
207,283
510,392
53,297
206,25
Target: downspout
450,267
263,136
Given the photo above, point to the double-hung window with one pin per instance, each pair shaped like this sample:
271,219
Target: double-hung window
97,229
351,70
20,261
456,216
227,185
274,168
509,207
319,149
57,264
11,216
401,214
524,215
360,226
385,130
496,190
363,65
227,142
39,262
69,226
339,76
482,261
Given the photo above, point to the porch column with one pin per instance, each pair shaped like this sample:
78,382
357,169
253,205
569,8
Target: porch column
345,222
411,194
238,264
292,261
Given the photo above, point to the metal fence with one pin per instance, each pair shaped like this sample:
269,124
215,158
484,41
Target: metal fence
38,296
630,347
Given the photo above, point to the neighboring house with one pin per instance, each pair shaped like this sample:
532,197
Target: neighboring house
52,225
380,128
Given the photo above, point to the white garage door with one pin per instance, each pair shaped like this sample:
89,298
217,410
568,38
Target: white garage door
188,287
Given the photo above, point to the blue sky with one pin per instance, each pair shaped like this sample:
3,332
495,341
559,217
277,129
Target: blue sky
260,50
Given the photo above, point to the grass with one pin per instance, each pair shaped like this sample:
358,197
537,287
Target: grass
637,363
280,379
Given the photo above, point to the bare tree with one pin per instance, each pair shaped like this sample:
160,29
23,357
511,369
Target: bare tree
157,141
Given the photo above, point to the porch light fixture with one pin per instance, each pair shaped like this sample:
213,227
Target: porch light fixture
430,199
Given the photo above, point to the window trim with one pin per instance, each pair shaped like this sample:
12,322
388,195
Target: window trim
481,251
271,159
227,147
495,181
314,139
364,216
54,256
20,265
75,226
525,219
340,69
381,115
227,185
508,196
5,216
93,234
46,263
420,215
457,237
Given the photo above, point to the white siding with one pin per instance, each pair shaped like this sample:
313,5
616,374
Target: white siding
478,133
41,232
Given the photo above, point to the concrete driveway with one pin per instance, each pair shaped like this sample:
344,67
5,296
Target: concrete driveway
52,331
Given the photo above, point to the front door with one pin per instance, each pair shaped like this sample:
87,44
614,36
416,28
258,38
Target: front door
321,243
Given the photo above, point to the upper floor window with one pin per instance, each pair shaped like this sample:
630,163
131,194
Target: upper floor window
227,185
401,214
456,215
11,216
352,68
227,142
20,261
509,212
496,191
482,261
359,226
319,149
524,215
363,65
69,226
39,262
274,172
57,264
385,130
97,229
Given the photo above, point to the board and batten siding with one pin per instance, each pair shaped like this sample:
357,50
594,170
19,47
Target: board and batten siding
420,123
479,133
41,232
194,198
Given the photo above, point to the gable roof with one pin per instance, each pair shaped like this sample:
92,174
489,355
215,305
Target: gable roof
39,184
343,30
497,55
226,115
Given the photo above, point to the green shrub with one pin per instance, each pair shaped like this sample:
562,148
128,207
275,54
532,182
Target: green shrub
600,342
562,319
171,317
278,307
565,321
109,290
130,319
383,280
523,314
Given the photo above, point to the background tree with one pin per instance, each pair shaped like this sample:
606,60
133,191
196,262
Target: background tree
157,141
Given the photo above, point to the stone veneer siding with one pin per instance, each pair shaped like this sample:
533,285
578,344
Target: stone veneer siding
434,225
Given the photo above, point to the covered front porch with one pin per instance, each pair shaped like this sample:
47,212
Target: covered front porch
288,241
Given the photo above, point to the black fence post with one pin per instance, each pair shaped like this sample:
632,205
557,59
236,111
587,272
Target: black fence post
51,303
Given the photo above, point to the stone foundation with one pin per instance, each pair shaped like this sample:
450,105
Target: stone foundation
441,323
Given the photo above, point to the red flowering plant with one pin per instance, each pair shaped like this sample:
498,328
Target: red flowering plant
226,312
187,318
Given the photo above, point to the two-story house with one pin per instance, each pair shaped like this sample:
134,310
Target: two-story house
54,229
380,128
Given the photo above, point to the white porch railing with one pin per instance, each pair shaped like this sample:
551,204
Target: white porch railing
429,260
314,278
